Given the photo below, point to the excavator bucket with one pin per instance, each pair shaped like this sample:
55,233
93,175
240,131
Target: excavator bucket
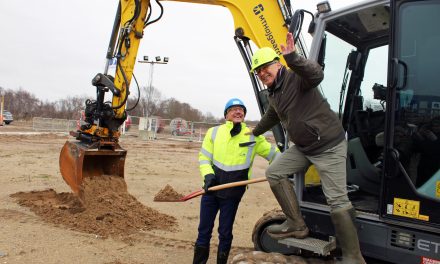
79,160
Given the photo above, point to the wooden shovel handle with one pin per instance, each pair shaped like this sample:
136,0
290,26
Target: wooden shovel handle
223,186
235,184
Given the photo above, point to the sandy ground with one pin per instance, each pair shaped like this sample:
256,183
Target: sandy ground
30,163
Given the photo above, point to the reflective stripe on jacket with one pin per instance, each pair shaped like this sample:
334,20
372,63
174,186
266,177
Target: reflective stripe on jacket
231,158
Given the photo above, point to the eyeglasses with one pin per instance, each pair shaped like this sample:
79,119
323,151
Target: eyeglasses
236,109
264,67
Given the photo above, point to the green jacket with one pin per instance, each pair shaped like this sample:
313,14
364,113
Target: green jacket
294,100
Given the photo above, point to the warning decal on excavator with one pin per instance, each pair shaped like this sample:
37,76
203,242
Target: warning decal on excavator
406,208
429,261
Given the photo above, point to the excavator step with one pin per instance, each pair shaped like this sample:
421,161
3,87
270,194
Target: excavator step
315,245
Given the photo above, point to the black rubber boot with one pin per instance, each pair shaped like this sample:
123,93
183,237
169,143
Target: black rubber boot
294,226
201,255
346,235
222,257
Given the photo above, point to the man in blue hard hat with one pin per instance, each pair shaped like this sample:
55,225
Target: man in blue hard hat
226,156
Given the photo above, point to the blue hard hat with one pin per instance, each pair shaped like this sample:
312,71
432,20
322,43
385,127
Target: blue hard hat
234,102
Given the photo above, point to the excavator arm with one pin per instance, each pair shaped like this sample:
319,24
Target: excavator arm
104,118
266,24
263,22
96,150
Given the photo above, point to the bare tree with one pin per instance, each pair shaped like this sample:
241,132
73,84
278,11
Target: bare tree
150,100
172,108
25,105
21,103
69,108
210,118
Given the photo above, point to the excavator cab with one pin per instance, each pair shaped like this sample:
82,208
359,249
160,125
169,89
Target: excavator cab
381,73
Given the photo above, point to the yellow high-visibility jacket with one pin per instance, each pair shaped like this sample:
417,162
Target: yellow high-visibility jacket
230,158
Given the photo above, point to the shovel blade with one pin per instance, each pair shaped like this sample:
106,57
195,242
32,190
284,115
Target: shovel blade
191,195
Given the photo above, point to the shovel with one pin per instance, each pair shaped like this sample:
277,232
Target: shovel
219,187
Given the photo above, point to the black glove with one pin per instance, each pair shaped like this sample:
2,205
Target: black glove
209,182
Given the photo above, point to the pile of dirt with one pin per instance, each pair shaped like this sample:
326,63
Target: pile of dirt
167,194
106,209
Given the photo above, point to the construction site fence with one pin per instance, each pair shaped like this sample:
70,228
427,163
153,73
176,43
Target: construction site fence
151,128
54,124
146,128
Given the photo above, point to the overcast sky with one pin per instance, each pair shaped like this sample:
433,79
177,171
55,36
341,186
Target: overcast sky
53,48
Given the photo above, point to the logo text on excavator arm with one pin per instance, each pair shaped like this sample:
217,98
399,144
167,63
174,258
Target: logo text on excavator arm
258,10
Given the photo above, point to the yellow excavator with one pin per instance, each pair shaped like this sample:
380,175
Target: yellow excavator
96,150
393,160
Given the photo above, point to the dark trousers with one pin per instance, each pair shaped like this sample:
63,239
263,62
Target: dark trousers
209,206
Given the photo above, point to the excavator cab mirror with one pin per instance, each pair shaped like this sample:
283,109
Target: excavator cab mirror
297,21
296,24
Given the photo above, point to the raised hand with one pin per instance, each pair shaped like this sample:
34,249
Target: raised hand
290,45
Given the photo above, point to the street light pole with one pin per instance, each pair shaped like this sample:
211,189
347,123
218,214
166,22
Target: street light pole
158,60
